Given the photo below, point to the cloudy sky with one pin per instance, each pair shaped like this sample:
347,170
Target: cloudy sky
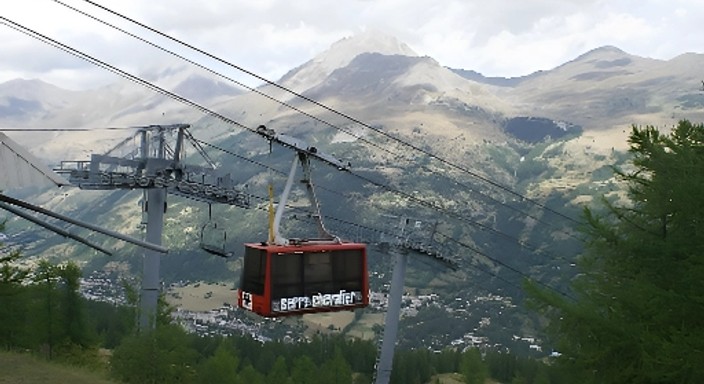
269,37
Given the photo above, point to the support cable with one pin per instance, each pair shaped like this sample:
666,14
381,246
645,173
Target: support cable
154,247
410,197
183,100
288,105
53,228
338,113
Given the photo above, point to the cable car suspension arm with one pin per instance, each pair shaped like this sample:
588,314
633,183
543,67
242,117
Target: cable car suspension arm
303,155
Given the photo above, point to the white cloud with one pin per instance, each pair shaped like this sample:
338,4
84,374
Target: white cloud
270,37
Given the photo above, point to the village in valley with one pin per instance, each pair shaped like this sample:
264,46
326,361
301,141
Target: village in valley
210,309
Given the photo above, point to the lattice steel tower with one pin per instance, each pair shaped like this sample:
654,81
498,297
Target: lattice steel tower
157,168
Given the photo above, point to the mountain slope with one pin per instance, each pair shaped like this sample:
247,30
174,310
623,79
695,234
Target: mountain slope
478,129
27,102
35,104
607,87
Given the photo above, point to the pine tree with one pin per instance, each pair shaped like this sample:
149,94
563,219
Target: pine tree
13,311
640,294
162,356
304,371
73,321
250,375
472,367
46,320
219,368
279,372
336,370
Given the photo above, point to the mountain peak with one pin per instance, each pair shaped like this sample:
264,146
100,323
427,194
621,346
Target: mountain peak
608,49
604,52
606,58
370,41
340,54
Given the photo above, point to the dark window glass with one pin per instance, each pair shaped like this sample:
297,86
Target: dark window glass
317,272
311,273
286,275
253,271
348,270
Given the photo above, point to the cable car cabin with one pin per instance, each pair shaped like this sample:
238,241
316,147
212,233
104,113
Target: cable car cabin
282,280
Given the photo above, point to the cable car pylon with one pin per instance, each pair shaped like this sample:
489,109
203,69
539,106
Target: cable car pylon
404,244
148,167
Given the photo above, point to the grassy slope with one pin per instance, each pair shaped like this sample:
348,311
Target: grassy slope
18,368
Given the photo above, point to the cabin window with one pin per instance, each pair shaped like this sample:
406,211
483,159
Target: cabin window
254,271
317,273
286,275
348,270
307,274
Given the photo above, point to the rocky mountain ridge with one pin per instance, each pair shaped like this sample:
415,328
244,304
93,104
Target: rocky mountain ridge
375,78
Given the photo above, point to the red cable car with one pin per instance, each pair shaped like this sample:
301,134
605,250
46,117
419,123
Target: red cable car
284,277
280,280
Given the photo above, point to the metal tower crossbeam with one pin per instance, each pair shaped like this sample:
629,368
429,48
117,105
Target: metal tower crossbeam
206,184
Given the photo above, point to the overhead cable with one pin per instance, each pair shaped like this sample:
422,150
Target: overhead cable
292,107
338,113
207,111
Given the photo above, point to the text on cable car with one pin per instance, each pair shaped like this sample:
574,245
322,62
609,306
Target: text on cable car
317,301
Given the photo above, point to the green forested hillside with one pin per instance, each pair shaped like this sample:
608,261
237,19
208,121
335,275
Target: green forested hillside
497,238
64,338
634,316
630,315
